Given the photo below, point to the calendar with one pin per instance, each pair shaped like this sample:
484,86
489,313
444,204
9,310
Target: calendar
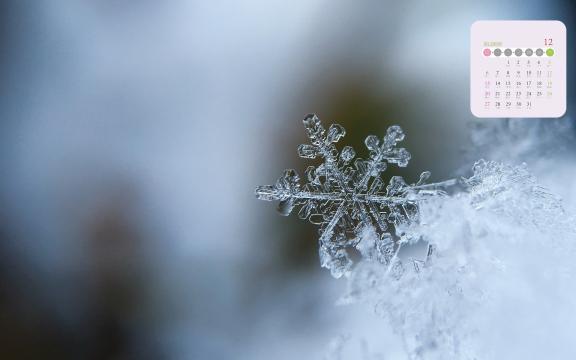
518,69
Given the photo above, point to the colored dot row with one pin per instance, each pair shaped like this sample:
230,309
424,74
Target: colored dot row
517,52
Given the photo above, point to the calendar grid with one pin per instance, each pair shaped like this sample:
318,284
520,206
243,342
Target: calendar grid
518,69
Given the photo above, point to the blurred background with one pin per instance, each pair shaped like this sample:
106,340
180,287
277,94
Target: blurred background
134,132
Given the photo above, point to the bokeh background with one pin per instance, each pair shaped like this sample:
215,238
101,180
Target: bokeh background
133,133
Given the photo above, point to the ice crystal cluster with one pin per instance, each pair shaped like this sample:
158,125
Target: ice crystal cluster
500,281
346,196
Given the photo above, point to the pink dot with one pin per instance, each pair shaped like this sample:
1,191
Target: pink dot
487,52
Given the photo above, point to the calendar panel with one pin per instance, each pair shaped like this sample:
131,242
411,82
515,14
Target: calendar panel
518,69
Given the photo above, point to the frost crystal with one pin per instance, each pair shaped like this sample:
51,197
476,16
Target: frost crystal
501,237
346,196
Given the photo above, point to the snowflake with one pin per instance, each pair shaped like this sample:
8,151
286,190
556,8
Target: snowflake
346,196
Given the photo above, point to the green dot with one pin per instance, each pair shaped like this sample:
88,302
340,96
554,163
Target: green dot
550,52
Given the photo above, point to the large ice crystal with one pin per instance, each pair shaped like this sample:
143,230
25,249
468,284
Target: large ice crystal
346,196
